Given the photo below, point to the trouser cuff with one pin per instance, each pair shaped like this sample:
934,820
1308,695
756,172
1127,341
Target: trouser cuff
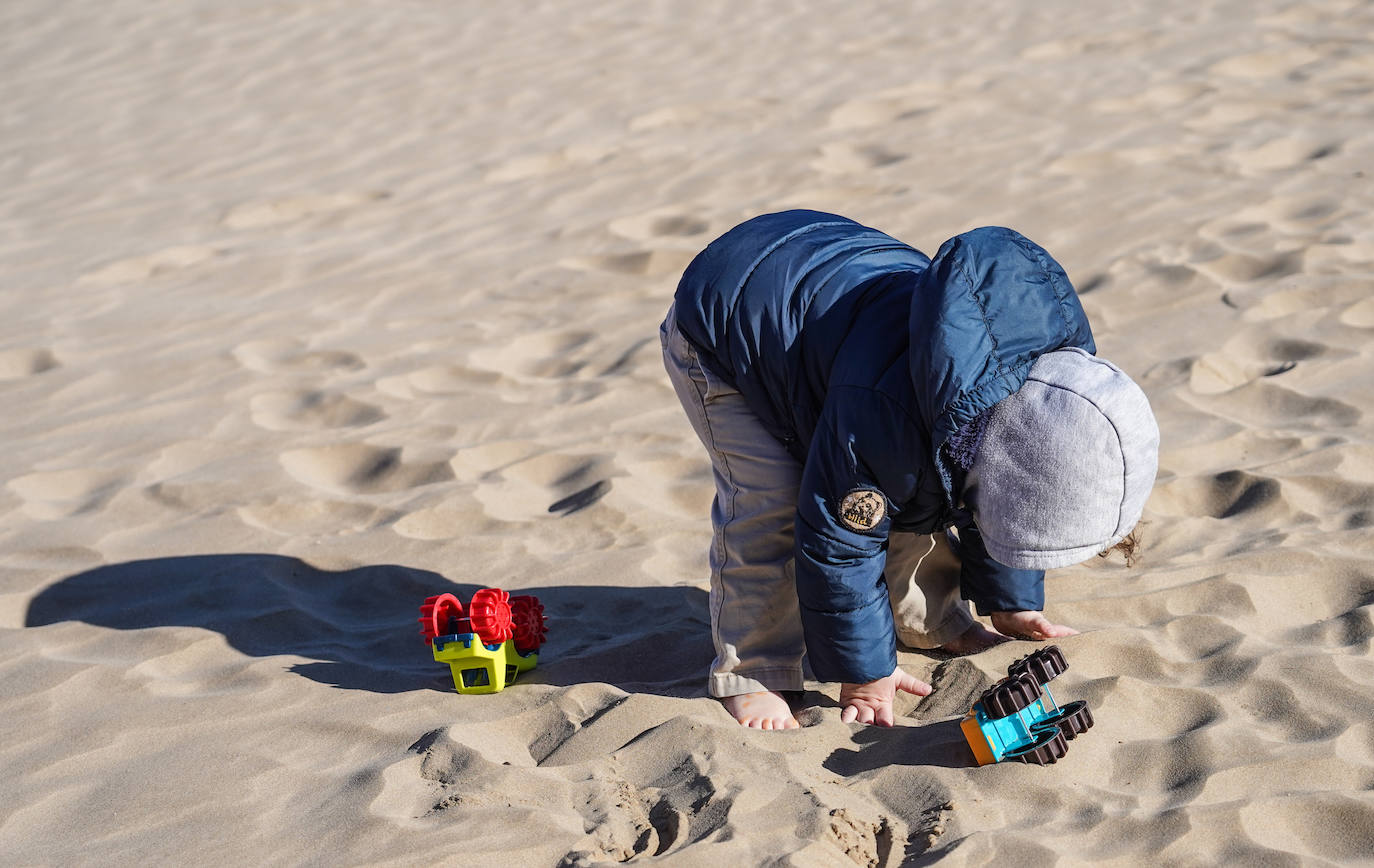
948,630
754,681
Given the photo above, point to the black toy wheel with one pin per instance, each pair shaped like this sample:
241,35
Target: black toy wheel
1047,748
1009,696
1043,666
1073,719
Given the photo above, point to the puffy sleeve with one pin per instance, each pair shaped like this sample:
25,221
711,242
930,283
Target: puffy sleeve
844,515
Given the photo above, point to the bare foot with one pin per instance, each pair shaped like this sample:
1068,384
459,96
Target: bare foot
1029,625
976,638
762,710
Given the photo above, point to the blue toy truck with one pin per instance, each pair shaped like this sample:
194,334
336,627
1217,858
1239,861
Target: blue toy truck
1018,719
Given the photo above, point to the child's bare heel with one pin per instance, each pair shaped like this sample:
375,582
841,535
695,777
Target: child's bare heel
976,638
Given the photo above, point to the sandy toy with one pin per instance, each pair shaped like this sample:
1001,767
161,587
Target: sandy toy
1011,721
490,643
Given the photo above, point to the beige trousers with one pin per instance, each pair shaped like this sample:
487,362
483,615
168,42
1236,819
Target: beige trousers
755,623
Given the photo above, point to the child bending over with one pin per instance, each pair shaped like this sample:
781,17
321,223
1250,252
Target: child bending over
892,435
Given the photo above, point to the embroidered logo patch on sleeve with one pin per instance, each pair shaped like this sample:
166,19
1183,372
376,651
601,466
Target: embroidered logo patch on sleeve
862,509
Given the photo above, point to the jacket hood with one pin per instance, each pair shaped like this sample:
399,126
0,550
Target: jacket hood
991,303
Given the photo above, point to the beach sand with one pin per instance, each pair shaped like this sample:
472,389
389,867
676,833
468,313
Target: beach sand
310,310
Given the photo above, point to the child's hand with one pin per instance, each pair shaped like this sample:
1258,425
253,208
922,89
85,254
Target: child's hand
1029,625
872,702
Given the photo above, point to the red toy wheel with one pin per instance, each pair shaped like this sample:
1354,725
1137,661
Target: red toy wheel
527,623
489,612
437,614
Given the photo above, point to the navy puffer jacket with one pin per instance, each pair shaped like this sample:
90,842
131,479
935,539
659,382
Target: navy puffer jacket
863,355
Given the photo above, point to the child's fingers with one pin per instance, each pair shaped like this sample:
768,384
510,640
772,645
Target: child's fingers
883,716
862,713
914,686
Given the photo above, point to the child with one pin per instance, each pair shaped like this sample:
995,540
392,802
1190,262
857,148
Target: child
857,398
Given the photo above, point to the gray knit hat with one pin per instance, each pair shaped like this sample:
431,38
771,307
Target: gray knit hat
1064,465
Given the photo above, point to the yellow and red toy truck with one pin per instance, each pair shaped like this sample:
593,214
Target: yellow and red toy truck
490,643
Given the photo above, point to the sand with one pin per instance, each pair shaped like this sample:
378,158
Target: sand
309,310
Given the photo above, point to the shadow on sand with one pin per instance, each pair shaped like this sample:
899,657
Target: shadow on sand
359,626
939,744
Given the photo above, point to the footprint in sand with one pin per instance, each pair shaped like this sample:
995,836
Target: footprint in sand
64,493
1171,711
455,517
285,355
838,158
562,353
169,261
888,107
1163,770
519,481
447,380
577,359
1249,356
276,212
1078,46
1343,503
696,114
1360,314
1235,229
1299,213
659,224
1284,152
1323,826
1314,297
671,116
664,226
492,456
1230,113
1265,404
19,363
1247,242
528,166
361,468
1159,97
675,484
1222,263
451,379
290,517
1229,494
1215,597
1262,65
1340,255
637,263
1103,162
303,410
1243,448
